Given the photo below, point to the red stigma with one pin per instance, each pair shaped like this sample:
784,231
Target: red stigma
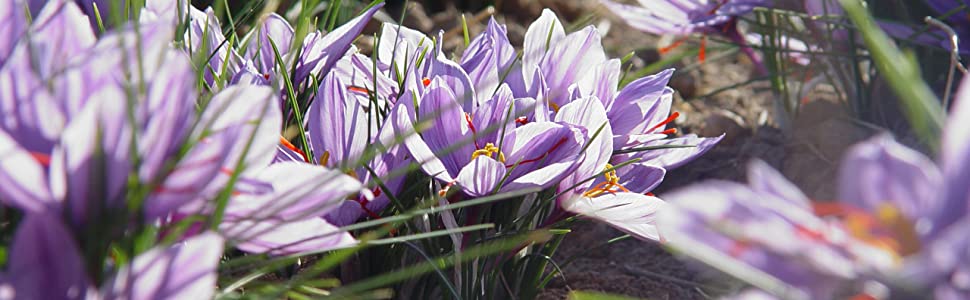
739,248
468,120
522,120
426,81
673,46
553,148
669,131
666,121
42,158
266,76
358,89
290,146
702,52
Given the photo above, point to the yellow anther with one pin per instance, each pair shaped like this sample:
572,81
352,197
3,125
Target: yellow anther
554,106
324,158
488,151
611,185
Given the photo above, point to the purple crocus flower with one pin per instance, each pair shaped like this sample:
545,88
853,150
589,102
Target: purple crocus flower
900,217
80,154
558,68
319,54
275,207
45,263
685,17
507,159
682,17
342,122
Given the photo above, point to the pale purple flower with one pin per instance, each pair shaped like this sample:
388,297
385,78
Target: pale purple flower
318,55
682,17
342,122
534,155
46,263
900,217
276,207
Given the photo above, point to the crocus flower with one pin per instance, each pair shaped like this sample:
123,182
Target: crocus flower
319,54
275,207
342,123
684,17
86,141
900,218
486,160
558,68
46,263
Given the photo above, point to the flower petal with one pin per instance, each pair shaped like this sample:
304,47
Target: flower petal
880,171
45,261
480,177
629,212
312,234
23,178
185,270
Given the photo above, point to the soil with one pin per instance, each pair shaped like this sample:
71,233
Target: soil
807,152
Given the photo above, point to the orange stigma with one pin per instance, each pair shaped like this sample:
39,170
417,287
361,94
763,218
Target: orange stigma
290,146
666,121
42,158
358,89
426,81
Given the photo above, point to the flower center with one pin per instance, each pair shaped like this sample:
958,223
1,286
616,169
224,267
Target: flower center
611,185
488,151
887,228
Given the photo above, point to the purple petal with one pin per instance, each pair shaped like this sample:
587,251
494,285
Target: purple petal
91,164
638,178
481,176
764,179
542,35
185,270
23,178
251,114
196,177
312,234
299,191
739,226
670,158
541,154
488,58
589,114
13,23
956,159
880,172
566,62
641,106
493,117
45,261
274,31
602,81
170,111
629,212
447,126
339,128
321,53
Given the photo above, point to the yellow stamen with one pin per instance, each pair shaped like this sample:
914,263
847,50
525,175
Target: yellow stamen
611,185
554,106
324,158
488,151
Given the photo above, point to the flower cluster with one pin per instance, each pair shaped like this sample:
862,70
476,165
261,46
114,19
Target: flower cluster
133,151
